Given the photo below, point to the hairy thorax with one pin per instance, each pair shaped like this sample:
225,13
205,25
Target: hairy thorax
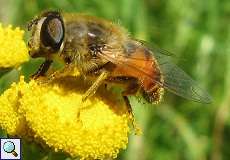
85,37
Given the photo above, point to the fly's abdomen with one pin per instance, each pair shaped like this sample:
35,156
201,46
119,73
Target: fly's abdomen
152,91
146,69
138,62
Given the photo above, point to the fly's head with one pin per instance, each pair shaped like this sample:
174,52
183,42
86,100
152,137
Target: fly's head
47,34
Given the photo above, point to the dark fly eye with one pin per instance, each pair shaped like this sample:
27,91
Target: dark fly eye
52,32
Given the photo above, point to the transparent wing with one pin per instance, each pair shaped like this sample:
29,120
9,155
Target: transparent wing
178,82
174,78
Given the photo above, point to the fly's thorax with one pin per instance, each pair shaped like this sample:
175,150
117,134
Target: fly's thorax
85,38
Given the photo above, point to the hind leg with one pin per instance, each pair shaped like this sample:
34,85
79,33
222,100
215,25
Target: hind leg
131,87
131,90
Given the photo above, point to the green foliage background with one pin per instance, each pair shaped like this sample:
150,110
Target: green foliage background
198,32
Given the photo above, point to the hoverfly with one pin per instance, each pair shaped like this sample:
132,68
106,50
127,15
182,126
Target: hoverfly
106,52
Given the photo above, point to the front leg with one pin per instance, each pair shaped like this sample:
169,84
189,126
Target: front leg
91,91
68,70
43,68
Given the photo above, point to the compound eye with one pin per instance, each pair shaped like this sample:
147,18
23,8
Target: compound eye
52,32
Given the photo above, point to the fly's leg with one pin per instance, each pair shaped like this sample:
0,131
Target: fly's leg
93,88
43,68
67,70
130,112
91,91
131,90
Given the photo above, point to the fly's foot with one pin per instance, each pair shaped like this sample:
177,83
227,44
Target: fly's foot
136,128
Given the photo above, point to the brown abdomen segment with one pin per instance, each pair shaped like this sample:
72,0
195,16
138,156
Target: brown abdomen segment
140,63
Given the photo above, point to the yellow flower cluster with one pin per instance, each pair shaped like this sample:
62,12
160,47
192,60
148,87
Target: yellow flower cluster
54,114
13,50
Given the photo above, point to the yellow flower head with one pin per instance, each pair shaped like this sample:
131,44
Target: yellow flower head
13,50
11,119
54,112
